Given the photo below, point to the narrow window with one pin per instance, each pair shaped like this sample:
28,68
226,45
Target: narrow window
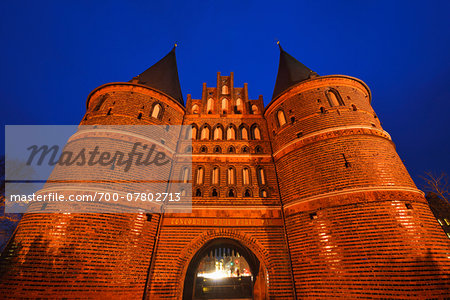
215,176
245,149
205,133
217,149
214,193
354,107
231,133
100,102
245,176
254,109
334,99
218,133
292,120
224,106
256,133
139,116
156,113
149,217
281,117
258,149
195,109
203,149
192,133
244,133
247,193
231,175
200,174
239,106
263,193
109,112
231,149
261,176
185,174
225,90
408,205
231,193
210,106
198,193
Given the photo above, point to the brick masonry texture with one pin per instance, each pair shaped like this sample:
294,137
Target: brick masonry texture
328,208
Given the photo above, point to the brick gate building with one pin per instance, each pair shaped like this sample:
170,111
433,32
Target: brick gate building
307,195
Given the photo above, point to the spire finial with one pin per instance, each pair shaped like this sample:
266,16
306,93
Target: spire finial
279,45
175,44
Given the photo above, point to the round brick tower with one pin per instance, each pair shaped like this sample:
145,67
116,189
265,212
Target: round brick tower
357,225
47,256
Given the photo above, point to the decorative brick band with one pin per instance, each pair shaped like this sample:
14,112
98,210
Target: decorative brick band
358,195
329,134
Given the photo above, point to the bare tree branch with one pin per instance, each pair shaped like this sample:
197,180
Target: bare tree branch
438,184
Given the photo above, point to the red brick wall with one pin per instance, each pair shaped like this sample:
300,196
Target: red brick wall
345,193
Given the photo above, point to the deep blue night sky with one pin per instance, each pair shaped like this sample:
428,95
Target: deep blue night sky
53,55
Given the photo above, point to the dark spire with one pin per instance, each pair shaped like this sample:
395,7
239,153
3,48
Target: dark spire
163,76
290,72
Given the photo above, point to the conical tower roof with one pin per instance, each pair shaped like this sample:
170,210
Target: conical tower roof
163,76
290,72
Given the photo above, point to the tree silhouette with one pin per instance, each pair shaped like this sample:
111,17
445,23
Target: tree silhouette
438,184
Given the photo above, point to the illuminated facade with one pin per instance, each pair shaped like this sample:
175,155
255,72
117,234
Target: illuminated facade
303,198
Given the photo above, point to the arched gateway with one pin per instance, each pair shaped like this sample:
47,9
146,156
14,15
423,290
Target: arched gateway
225,269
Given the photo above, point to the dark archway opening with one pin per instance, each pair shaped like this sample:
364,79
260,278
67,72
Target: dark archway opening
224,269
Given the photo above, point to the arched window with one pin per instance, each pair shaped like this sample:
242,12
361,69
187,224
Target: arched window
334,99
224,105
231,149
244,133
205,133
258,149
198,193
203,149
245,176
217,149
218,133
215,175
188,149
247,193
210,106
195,109
231,176
225,90
239,106
185,174
191,133
156,112
231,193
281,117
200,175
263,193
261,176
245,149
256,133
231,133
254,109
100,102
214,193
